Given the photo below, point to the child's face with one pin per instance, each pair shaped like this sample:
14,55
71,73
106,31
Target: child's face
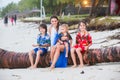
54,22
82,26
63,29
42,30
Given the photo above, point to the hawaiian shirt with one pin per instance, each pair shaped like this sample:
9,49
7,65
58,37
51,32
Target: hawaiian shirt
83,39
41,40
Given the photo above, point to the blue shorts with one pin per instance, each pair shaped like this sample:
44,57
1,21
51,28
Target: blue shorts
44,51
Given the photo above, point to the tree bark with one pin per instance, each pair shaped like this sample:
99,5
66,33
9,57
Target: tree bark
109,8
92,8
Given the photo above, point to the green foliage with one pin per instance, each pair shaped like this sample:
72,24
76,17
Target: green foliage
28,4
10,7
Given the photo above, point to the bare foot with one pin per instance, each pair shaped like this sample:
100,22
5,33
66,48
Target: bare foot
52,67
74,66
32,67
81,66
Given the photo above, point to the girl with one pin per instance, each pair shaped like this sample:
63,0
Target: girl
83,42
53,31
43,42
63,42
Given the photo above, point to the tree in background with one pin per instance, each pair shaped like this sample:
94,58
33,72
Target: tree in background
10,7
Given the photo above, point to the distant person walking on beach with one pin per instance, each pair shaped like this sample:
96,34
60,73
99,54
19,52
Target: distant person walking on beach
6,20
15,18
53,31
12,20
83,42
43,42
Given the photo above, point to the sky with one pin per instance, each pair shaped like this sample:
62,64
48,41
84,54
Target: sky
4,3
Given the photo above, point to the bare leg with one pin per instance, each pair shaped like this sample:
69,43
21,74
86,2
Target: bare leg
57,53
73,57
66,46
31,57
37,59
52,52
78,50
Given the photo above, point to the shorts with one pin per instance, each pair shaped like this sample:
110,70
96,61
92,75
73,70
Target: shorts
80,46
44,51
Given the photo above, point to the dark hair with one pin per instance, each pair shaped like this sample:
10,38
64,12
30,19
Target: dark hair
82,22
43,26
57,19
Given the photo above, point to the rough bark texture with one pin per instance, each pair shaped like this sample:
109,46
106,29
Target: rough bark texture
9,59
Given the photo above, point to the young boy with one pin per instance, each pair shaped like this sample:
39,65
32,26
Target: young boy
43,42
65,38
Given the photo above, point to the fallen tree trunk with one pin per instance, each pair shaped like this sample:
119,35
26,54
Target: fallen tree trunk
9,59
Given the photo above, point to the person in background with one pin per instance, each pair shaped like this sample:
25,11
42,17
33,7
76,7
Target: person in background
15,18
6,20
12,20
83,42
43,42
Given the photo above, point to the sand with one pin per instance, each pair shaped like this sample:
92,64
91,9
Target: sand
103,71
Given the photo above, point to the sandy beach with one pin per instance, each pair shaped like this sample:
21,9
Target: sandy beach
20,37
103,71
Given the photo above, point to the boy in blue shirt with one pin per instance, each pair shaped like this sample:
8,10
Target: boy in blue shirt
43,42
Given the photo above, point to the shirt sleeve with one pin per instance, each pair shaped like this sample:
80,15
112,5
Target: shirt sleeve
59,36
38,39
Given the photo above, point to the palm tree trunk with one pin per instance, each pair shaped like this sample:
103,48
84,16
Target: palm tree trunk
9,59
109,8
92,8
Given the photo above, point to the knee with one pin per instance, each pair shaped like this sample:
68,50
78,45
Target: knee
78,50
72,50
66,44
39,52
31,53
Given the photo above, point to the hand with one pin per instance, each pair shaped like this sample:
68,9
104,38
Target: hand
64,38
86,47
34,45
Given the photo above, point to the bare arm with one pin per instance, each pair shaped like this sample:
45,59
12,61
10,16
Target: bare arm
49,30
70,43
35,45
45,45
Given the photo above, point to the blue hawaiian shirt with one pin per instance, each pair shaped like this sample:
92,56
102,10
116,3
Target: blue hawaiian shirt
41,40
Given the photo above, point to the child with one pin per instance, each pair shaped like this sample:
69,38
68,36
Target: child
12,19
43,42
63,42
83,42
53,31
64,37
